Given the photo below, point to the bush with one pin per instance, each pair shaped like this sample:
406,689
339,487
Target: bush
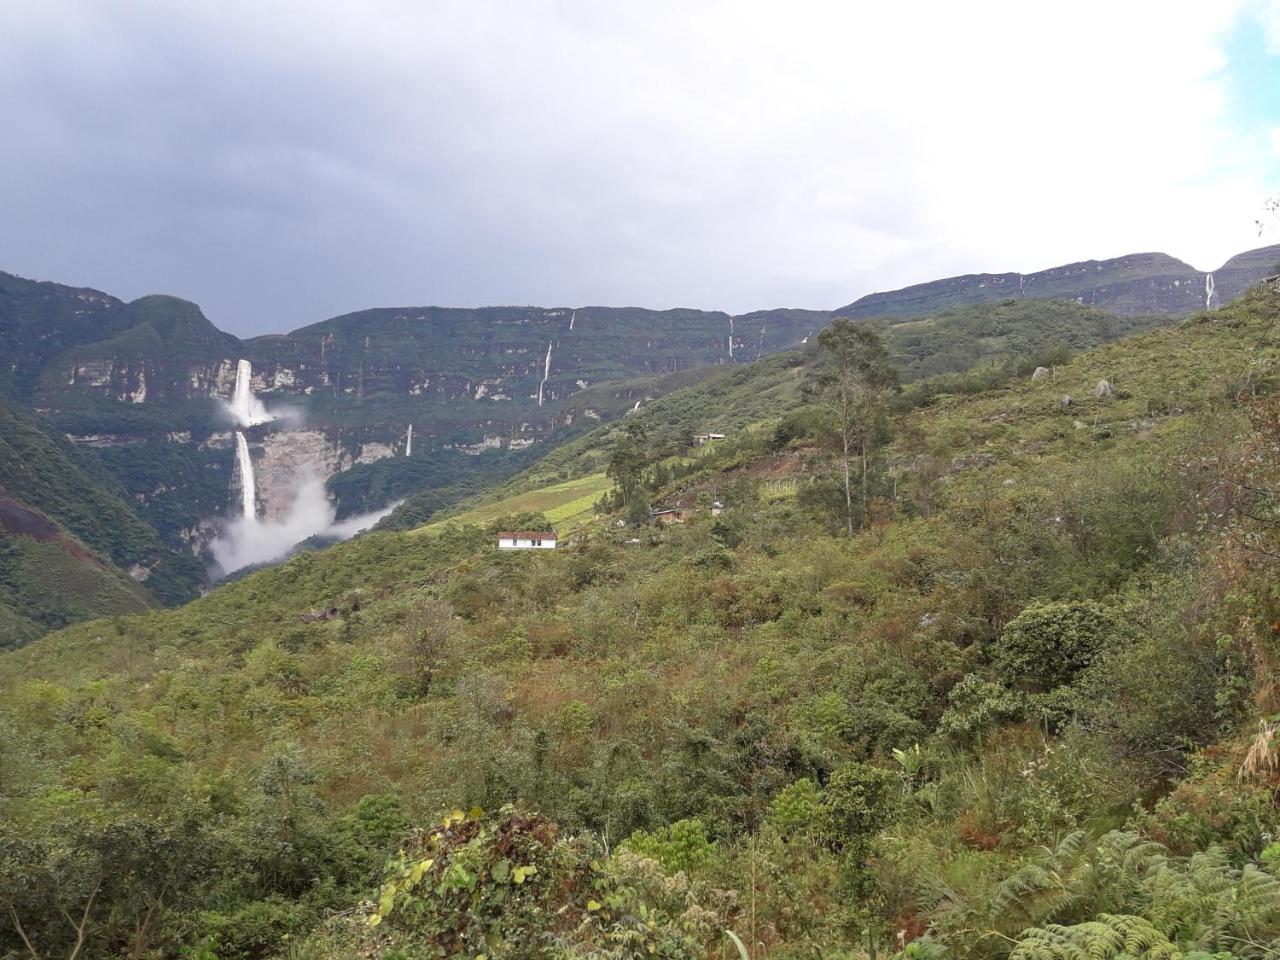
1048,644
977,706
797,808
511,887
681,846
859,802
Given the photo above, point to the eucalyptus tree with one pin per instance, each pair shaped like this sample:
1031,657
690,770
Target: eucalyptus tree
853,386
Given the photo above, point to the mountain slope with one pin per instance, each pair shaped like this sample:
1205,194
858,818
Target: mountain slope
1144,283
964,349
166,349
49,579
139,389
40,473
41,320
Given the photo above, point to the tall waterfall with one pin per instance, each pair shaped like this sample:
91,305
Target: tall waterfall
572,317
245,407
248,483
1208,291
731,338
408,442
546,372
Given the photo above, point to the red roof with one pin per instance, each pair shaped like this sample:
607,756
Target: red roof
526,534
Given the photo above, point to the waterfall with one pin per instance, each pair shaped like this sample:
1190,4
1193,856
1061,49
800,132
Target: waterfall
546,372
408,442
636,407
572,317
248,483
245,407
731,338
1208,291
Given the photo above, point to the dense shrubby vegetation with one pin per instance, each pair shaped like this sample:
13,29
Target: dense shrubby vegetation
1027,710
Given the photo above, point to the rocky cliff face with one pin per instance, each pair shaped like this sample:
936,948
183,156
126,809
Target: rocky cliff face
521,356
500,358
1144,283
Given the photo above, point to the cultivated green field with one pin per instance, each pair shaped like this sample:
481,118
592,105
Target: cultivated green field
565,505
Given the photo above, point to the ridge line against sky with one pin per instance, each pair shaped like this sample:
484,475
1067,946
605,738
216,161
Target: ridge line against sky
282,162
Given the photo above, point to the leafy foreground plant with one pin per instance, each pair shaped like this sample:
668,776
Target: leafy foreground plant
1126,896
512,886
1102,939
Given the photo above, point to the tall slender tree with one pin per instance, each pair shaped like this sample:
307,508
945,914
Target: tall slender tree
627,462
853,386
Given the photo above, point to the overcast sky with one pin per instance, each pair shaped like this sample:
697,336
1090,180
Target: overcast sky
281,162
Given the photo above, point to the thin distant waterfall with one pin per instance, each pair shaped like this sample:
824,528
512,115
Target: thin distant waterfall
245,407
572,317
248,483
408,442
1208,291
731,338
546,372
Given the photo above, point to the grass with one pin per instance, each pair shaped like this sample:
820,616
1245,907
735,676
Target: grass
566,505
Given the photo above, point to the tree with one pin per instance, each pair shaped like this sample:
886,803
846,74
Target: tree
852,386
626,465
84,889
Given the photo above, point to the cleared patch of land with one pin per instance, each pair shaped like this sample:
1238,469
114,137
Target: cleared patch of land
565,505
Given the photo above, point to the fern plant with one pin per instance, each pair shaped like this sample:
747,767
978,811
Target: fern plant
1124,896
1108,937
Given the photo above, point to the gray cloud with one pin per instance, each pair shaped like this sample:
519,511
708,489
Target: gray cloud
284,162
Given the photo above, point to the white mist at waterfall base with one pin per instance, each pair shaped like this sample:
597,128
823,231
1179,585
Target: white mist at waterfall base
249,540
244,407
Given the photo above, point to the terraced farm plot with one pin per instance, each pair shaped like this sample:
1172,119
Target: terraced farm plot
565,505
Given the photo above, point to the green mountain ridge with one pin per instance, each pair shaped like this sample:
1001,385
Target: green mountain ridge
1143,283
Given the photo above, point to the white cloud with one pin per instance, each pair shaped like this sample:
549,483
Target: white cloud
727,153
1269,16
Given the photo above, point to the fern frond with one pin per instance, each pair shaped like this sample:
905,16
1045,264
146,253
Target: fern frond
1108,937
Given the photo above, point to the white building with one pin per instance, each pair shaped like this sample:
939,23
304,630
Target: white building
526,540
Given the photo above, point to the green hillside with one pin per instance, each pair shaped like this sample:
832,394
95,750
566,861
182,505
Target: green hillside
1016,715
48,579
965,337
40,471
962,350
41,320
